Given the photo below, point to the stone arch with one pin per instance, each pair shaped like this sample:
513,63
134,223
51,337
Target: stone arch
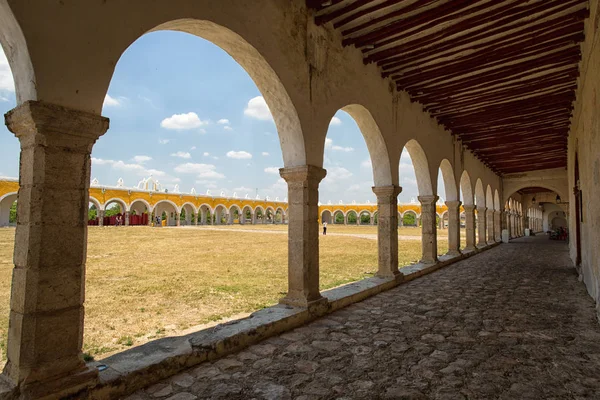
496,200
92,200
272,214
219,213
6,202
449,180
479,193
121,202
245,211
232,209
467,189
17,53
421,166
334,215
190,209
205,211
260,71
489,198
413,213
511,189
382,171
169,208
326,216
360,214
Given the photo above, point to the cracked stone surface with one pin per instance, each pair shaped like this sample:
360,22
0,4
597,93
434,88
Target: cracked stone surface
513,322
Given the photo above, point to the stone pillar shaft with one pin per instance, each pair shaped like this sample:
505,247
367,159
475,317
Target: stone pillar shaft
303,235
127,214
470,226
100,214
481,227
453,227
428,230
387,229
490,226
46,318
498,226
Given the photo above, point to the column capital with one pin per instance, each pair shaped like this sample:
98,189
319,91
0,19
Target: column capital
453,203
482,209
38,122
469,207
430,199
391,191
303,173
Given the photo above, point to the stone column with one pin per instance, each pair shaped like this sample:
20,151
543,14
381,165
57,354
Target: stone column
150,219
481,226
470,226
100,217
46,318
387,230
428,230
498,226
303,236
453,227
441,223
194,219
127,214
373,218
490,226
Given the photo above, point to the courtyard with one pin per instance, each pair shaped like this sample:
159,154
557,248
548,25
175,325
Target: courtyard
144,283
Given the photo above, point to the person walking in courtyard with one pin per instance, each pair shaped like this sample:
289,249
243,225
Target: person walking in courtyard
324,228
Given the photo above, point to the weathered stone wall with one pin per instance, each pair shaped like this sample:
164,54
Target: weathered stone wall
584,142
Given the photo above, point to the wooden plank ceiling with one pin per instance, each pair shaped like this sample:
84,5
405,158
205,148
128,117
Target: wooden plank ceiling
499,74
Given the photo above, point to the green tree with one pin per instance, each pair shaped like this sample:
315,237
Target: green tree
113,210
339,218
12,217
409,219
352,217
365,218
92,212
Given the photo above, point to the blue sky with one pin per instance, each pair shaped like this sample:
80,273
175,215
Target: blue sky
183,111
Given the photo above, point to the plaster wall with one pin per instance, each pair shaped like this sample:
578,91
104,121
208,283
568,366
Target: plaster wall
584,142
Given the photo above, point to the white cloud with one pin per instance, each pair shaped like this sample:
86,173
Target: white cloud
366,164
239,155
206,154
223,121
163,141
183,121
193,148
264,153
2,98
123,166
242,189
257,108
141,159
328,143
227,128
335,121
336,173
181,154
272,170
202,171
340,148
111,101
6,78
354,188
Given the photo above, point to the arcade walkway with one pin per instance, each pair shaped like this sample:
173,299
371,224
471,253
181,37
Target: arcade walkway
513,322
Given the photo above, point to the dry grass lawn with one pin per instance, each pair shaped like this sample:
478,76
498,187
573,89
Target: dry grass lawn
143,283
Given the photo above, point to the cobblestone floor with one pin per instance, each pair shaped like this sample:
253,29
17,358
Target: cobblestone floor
511,323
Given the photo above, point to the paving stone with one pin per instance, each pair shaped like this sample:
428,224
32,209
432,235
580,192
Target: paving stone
512,322
183,396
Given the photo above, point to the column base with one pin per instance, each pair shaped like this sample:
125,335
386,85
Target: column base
61,387
469,248
317,306
396,275
426,261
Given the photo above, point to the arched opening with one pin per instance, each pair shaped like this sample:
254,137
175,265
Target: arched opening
352,218
410,219
234,215
468,213
166,212
140,213
220,215
480,216
339,218
415,174
205,215
365,218
8,210
259,216
188,214
279,216
114,212
246,216
269,215
448,231
326,217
